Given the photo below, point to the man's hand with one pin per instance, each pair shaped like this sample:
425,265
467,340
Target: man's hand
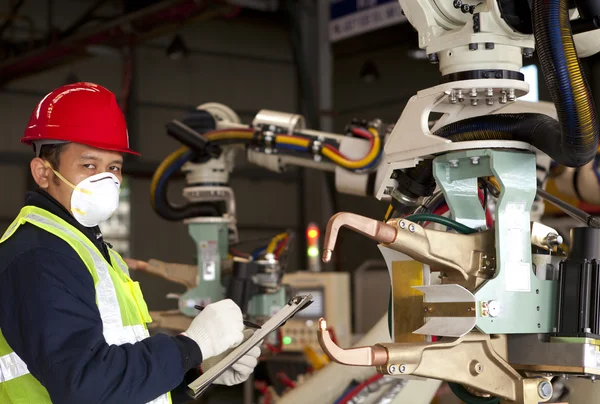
217,328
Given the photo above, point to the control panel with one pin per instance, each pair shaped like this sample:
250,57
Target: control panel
331,299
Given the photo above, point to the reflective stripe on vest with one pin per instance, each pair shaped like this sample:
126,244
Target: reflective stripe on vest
115,333
11,367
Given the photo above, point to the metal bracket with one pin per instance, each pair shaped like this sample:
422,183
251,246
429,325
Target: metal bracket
523,303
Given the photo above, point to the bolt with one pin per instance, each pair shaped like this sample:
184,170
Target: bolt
403,225
545,390
459,95
457,3
474,102
494,308
528,52
433,58
490,92
503,98
473,46
473,92
411,228
489,101
452,97
402,368
394,175
489,45
478,368
427,310
511,94
475,161
392,369
453,163
552,240
465,8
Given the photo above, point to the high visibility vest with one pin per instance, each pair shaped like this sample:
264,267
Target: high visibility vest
120,303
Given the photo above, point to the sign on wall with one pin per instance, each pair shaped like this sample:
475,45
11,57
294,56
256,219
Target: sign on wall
353,17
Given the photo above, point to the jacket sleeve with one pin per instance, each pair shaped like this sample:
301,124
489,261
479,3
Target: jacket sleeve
49,316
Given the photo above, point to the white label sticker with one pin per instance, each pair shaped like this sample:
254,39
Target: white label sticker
518,277
598,359
208,255
514,253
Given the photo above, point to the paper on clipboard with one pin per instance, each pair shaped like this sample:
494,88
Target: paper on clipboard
198,386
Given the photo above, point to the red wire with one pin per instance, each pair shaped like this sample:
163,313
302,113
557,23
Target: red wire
489,220
354,392
283,378
275,349
441,210
280,247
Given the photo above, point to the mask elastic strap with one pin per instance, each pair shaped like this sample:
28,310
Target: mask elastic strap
66,181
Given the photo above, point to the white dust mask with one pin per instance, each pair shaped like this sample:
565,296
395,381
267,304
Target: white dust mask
94,199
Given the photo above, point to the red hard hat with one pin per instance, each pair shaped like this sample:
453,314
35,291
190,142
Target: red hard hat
83,113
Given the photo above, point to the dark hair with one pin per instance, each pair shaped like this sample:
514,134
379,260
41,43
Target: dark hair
51,153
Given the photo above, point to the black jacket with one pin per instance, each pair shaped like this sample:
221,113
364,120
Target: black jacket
49,316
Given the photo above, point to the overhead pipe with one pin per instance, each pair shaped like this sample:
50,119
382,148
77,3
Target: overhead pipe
147,22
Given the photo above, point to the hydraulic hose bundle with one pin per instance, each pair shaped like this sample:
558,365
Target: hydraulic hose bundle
566,82
201,147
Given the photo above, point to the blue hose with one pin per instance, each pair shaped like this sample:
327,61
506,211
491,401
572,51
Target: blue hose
560,64
164,179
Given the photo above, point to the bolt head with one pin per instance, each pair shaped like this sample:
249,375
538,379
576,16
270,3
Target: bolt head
402,368
479,368
475,160
494,308
474,102
545,390
411,228
453,163
392,369
489,101
403,225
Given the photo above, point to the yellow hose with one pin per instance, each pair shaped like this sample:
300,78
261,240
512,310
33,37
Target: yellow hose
274,241
170,159
580,95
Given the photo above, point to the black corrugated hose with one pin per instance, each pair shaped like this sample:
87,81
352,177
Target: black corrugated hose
573,140
565,80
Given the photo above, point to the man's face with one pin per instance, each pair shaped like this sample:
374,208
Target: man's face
77,162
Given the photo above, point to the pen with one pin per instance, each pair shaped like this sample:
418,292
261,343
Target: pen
246,323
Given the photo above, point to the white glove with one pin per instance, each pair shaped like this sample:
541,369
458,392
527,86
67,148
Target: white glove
240,370
217,328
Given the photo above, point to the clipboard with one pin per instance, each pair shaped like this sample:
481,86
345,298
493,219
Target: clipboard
297,303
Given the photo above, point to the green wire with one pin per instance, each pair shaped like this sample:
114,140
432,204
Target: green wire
453,224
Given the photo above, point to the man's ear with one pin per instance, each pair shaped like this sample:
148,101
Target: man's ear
40,172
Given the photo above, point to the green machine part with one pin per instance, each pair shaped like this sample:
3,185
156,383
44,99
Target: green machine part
211,236
267,305
522,302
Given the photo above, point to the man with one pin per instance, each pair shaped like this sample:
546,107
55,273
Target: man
72,322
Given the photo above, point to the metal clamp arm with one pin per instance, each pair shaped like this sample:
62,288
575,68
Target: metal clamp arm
471,256
362,356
